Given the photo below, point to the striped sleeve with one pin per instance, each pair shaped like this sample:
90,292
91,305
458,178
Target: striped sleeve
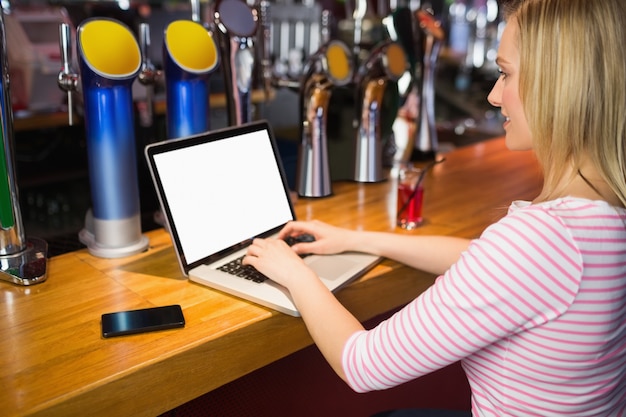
522,272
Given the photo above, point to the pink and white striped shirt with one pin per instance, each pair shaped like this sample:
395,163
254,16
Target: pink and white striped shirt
535,309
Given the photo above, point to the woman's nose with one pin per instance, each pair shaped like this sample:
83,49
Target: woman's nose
494,97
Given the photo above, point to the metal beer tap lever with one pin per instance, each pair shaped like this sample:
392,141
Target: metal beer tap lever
265,45
236,25
360,10
23,261
427,143
68,78
148,76
380,72
329,67
195,11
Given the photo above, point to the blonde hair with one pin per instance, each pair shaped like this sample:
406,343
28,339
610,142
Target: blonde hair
573,86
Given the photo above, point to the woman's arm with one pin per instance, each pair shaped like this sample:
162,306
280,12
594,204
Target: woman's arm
328,322
434,254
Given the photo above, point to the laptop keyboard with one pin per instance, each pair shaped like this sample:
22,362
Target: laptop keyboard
236,268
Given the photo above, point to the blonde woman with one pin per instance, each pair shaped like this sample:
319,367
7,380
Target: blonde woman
535,309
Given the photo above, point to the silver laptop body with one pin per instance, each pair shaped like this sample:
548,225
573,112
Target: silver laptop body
219,190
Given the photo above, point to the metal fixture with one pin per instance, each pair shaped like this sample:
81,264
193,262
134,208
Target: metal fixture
265,40
427,143
148,76
67,79
22,261
384,66
190,56
401,28
110,60
236,26
331,66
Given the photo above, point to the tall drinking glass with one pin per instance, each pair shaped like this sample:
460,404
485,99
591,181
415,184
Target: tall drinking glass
410,197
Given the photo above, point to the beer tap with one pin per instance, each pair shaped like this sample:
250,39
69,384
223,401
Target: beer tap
22,261
187,76
109,62
427,143
401,28
236,26
330,66
360,10
265,46
196,11
325,26
384,66
148,76
68,78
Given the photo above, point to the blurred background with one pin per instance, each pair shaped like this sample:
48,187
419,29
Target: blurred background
51,155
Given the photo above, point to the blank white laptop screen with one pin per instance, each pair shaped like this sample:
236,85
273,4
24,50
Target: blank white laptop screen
240,193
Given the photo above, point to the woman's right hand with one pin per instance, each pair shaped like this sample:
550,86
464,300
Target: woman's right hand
328,239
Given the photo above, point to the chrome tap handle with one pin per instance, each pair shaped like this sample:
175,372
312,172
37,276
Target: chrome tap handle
360,11
196,11
385,65
67,79
22,260
265,44
326,30
434,37
147,75
330,66
236,27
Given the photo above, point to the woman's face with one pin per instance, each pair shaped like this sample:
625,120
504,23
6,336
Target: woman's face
505,93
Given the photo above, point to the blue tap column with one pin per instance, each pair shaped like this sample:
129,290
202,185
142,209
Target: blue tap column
110,60
190,56
111,151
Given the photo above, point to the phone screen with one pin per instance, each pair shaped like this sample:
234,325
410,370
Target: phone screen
141,321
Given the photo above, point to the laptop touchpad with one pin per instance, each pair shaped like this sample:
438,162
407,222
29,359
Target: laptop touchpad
330,268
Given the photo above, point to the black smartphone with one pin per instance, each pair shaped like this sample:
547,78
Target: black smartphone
140,321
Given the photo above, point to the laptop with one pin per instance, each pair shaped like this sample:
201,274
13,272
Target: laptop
218,191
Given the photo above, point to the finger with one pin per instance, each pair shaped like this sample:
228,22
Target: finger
255,247
293,228
258,241
287,231
246,259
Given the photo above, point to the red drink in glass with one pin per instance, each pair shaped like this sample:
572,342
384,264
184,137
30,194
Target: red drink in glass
409,201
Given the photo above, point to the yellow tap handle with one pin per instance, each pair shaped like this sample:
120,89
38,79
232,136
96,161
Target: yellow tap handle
338,62
396,60
110,48
191,46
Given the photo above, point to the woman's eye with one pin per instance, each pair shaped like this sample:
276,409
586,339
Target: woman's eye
501,73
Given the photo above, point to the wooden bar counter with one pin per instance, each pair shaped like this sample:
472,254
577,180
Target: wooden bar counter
54,362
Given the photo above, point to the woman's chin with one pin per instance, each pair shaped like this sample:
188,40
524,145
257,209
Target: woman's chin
515,144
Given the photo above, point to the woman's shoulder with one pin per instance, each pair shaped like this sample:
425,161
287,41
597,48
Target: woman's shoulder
571,211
